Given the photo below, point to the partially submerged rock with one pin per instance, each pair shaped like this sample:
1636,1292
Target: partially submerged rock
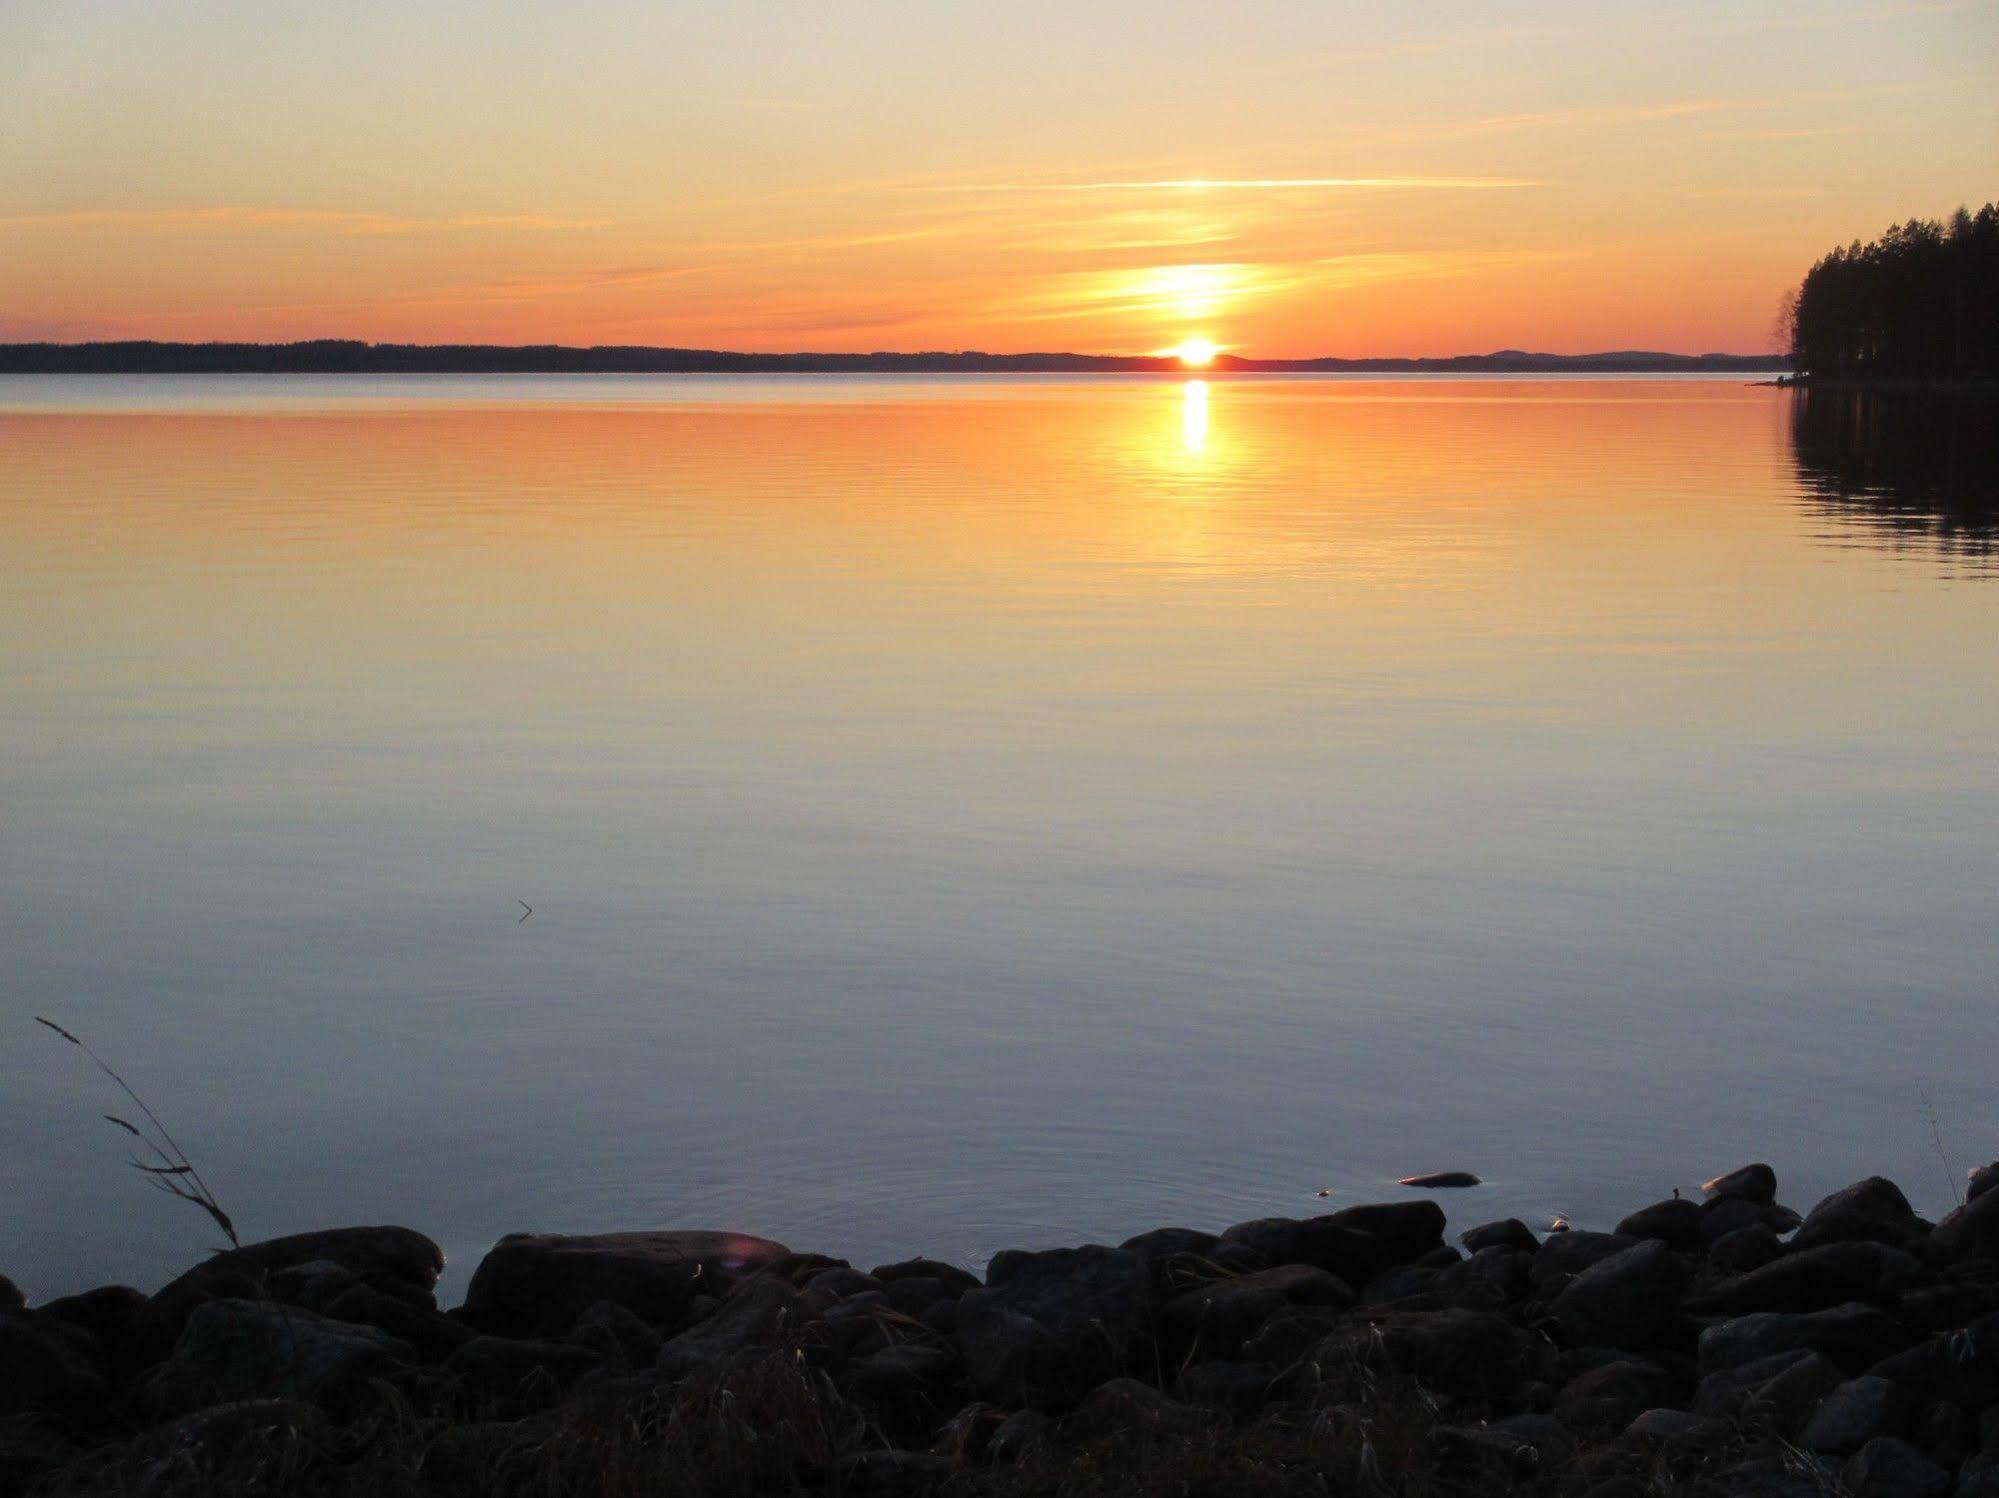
537,1284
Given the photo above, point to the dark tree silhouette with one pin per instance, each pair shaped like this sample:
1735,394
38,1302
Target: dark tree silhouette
1919,303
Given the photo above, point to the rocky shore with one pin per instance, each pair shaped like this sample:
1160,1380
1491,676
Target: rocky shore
1719,1345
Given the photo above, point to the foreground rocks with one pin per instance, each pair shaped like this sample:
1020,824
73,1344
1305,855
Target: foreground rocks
1707,1346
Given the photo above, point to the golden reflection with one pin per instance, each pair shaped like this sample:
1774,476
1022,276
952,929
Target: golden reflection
1194,415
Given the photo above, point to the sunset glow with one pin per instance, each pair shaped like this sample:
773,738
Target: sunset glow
1197,353
1370,179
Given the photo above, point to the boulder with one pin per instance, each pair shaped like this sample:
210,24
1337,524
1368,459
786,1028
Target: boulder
1676,1222
1979,1180
1629,1300
1969,1232
1406,1231
117,1318
1756,1183
1852,1415
1730,1214
1125,1405
1813,1279
392,1259
1889,1468
537,1284
1853,1336
1217,1319
259,1349
1667,1424
1466,1353
1161,1243
1288,1336
1744,1249
1242,1389
1049,1327
517,1374
11,1298
1566,1254
1489,1280
616,1337
1610,1397
1509,1232
434,1335
1441,1180
1869,1211
763,1311
1345,1252
955,1281
46,1364
1781,1388
1959,1367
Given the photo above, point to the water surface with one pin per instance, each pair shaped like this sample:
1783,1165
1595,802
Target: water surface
971,813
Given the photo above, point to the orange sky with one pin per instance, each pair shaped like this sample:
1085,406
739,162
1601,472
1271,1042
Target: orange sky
1285,177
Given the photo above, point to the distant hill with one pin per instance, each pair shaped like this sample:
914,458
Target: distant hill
339,356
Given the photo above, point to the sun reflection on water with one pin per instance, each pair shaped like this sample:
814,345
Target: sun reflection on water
1194,415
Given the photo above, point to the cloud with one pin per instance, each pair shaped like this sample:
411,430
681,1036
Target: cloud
339,221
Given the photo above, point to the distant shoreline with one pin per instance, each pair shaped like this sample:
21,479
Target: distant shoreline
343,357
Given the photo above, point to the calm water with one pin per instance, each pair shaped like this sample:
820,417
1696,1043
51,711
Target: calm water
961,814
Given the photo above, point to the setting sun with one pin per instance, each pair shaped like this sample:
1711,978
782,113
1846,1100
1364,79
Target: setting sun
1196,353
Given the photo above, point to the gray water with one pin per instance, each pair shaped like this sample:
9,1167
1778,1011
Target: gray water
961,814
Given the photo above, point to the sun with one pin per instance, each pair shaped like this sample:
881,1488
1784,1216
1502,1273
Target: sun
1196,353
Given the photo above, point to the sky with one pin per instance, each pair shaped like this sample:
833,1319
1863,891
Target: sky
1283,178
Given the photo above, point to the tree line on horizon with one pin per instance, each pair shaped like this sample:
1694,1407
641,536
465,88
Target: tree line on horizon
1919,303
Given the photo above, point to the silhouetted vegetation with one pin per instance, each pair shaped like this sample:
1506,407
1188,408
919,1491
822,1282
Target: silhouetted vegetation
1919,303
1905,464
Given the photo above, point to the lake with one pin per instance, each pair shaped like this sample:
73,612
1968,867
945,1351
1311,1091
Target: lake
970,813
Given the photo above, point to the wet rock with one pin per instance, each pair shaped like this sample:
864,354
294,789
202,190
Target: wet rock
1889,1468
1744,1249
1869,1211
233,1350
1756,1183
1853,1336
1612,1396
1344,1252
1564,1255
537,1284
1971,1231
1814,1279
1215,1320
1406,1231
1630,1299
392,1259
1852,1415
1049,1327
1509,1232
1676,1222
763,1311
1442,1180
1781,1388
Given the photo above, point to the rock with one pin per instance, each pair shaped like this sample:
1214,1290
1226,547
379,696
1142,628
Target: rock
1125,1404
1163,1243
829,1285
1852,1415
1979,1180
1781,1388
888,1473
11,1298
117,1318
1888,1468
1215,1320
1345,1252
1509,1232
967,1436
1853,1336
49,1365
1489,1280
1629,1300
1049,1327
1730,1214
762,1311
1665,1424
433,1335
391,1259
905,1385
233,1350
1466,1353
1959,1367
616,1337
1442,1180
537,1284
1969,1232
1813,1279
1756,1183
1022,1435
517,1373
1408,1285
1566,1254
1612,1396
1744,1249
1240,1388
956,1281
1406,1231
1869,1211
1676,1222
1979,1476
1288,1336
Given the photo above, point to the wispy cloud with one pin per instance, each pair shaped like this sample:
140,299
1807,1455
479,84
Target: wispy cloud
251,218
1241,184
